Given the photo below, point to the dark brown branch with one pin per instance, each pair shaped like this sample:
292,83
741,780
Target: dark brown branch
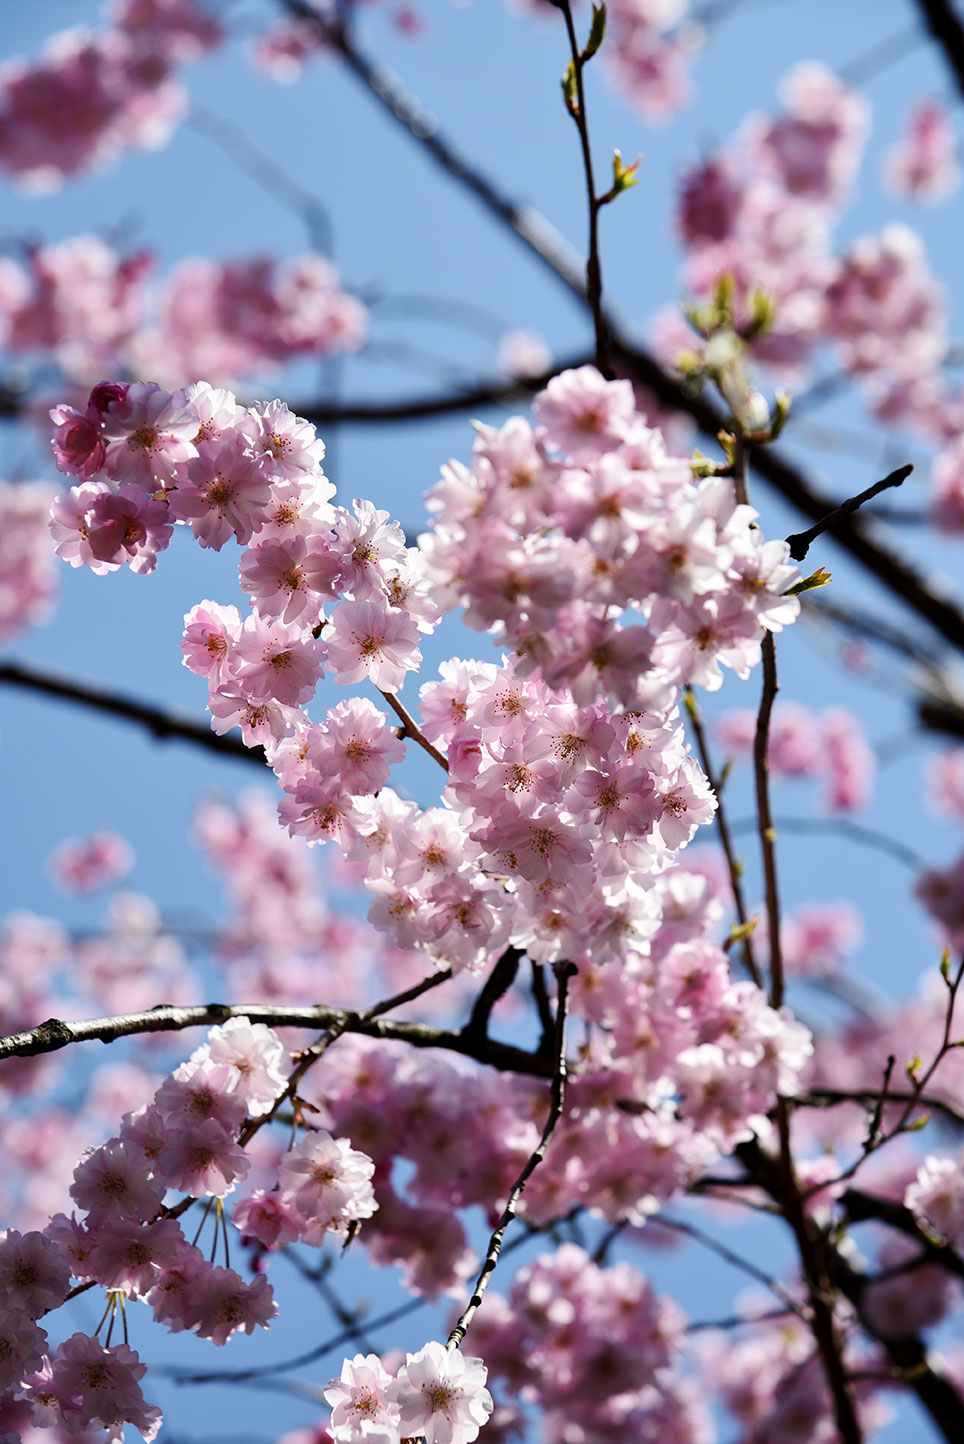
496,985
54,1034
910,1355
161,724
410,728
832,1097
861,1207
817,1258
767,830
799,542
945,26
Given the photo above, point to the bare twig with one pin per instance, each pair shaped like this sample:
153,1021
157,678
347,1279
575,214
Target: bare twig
563,973
576,106
733,864
799,541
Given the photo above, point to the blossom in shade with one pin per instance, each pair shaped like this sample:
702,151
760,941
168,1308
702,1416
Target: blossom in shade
101,1387
34,1274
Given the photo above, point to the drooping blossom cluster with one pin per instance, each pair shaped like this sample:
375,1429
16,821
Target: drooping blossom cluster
830,745
28,581
117,83
94,310
186,1139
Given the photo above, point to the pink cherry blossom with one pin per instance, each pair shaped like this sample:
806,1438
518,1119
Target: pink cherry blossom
441,1395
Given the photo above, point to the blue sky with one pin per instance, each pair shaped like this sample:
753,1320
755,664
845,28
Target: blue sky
400,227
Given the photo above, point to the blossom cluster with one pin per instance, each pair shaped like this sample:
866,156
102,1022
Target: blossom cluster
188,1139
568,1324
565,762
28,579
438,1395
94,309
117,83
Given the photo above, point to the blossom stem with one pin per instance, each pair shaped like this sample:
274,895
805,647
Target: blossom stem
593,265
410,728
563,972
734,866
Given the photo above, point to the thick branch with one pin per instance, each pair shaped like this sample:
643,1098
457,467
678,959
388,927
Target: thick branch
946,28
160,723
910,1355
55,1033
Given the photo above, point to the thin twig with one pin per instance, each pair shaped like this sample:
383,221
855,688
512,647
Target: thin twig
733,864
745,1265
563,971
799,541
577,109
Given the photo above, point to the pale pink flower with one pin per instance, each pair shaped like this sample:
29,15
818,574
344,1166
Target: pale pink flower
151,435
22,1346
359,1397
201,1158
78,443
256,1058
327,1180
225,1303
210,632
287,578
267,1218
584,415
441,1395
370,641
114,1182
223,494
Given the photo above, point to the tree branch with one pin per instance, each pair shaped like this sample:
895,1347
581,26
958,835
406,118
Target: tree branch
799,542
946,28
563,971
161,724
55,1033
